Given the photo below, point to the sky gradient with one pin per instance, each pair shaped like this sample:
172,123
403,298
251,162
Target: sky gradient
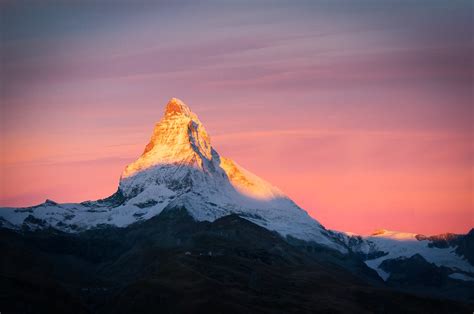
361,112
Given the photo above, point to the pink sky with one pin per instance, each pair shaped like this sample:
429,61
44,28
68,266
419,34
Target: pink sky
361,114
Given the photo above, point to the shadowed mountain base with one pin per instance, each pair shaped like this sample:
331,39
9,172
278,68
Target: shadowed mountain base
172,264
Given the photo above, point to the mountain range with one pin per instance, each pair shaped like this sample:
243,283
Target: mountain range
184,217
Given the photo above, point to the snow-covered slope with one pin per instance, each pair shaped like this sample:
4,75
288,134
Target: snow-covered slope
179,168
389,245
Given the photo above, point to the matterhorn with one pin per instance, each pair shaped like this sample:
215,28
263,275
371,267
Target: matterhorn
179,169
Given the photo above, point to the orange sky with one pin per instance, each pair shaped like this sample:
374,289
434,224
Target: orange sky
362,114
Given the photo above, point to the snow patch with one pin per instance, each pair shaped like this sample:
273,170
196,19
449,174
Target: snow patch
460,276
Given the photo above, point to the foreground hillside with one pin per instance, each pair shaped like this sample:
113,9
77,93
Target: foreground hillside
173,264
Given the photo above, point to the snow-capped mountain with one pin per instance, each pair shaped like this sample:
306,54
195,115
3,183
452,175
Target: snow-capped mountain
180,169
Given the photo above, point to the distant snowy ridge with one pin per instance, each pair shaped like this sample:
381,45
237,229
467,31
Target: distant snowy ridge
385,245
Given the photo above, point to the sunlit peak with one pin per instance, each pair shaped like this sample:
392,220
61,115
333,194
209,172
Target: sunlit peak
176,106
180,140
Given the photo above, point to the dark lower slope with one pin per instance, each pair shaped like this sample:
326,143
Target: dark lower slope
172,264
415,274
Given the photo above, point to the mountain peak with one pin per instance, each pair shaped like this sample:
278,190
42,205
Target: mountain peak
179,168
179,138
176,106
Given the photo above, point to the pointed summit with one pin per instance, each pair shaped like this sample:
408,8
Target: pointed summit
176,106
178,139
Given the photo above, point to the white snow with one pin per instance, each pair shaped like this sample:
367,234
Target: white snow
460,276
400,244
